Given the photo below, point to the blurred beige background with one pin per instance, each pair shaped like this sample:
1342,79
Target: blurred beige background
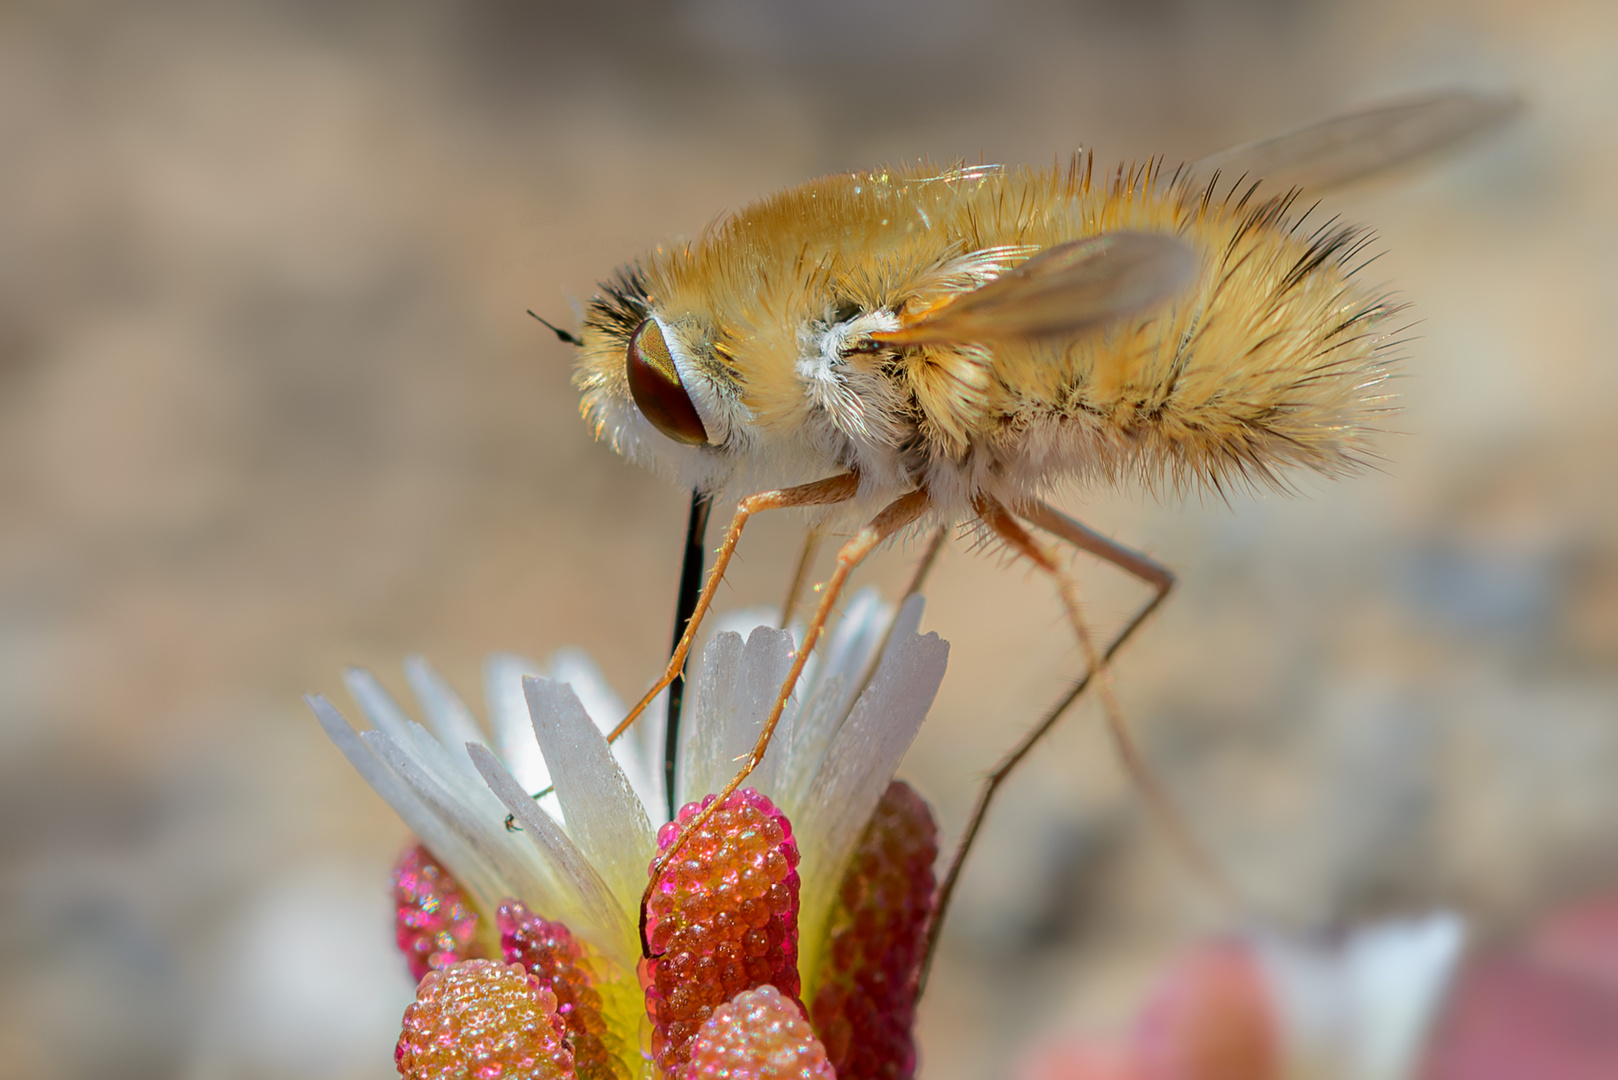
269,404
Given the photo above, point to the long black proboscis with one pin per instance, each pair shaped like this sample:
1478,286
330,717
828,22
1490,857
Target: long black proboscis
696,559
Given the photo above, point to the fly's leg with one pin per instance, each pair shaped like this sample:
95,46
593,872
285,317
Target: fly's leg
924,567
1004,526
935,546
1161,579
895,516
826,492
800,576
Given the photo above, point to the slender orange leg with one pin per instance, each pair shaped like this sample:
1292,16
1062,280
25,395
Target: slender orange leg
935,545
834,489
800,577
1060,525
895,516
924,567
1007,528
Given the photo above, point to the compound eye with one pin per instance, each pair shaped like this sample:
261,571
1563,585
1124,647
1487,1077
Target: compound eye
654,382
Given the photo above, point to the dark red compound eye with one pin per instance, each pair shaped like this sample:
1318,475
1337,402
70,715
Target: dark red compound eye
655,384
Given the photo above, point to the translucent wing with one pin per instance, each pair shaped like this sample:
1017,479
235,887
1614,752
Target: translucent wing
1064,290
1358,144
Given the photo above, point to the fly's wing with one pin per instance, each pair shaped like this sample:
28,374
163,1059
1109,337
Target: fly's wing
1063,291
1084,285
1360,144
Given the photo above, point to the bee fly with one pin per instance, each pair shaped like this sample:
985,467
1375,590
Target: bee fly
945,346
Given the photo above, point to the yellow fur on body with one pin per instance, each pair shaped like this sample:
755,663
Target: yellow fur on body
1274,356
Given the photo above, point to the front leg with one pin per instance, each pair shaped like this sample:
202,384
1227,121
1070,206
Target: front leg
895,516
828,492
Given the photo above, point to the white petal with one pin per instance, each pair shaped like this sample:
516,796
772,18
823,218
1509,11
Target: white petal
735,692
1361,1009
1400,972
851,659
448,718
906,622
639,751
468,866
767,663
1312,1000
859,632
384,713
852,645
478,823
508,718
574,667
705,723
453,771
605,817
741,621
591,911
860,761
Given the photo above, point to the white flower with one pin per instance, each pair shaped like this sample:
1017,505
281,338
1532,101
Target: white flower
1362,1008
582,859
1274,1005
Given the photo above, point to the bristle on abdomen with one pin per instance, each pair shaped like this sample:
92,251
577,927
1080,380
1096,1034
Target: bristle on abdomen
1276,357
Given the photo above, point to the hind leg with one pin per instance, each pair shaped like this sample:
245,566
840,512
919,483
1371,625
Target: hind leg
1008,529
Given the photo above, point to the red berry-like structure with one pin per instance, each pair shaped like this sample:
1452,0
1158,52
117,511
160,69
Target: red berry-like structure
723,919
560,963
434,924
757,1035
482,1020
865,1007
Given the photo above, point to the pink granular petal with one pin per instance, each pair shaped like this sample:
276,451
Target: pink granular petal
563,965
